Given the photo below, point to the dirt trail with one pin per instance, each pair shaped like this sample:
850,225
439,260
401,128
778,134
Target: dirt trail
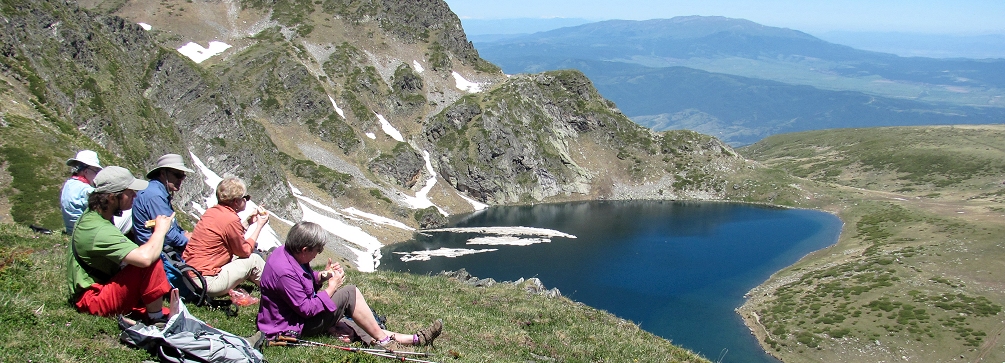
989,344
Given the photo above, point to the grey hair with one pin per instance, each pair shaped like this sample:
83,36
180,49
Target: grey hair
306,234
77,167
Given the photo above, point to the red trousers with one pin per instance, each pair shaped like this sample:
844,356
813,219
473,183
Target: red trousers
129,290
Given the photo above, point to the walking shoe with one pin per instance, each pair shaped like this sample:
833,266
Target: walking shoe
427,335
391,345
256,340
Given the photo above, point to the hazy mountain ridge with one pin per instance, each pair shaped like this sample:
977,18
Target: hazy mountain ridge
633,63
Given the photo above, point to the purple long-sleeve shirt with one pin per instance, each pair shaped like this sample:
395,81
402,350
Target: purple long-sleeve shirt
288,295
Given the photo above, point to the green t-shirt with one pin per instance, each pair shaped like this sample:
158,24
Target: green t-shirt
101,245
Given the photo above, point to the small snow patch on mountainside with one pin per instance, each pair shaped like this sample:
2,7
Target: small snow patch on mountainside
389,129
199,54
418,67
337,109
465,85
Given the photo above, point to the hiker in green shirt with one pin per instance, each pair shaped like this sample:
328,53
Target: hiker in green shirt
107,273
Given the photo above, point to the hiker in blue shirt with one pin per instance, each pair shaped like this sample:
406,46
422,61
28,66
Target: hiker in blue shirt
73,197
155,200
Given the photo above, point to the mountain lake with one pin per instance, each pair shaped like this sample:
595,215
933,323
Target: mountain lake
678,269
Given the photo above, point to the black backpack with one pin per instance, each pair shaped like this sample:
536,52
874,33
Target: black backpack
189,282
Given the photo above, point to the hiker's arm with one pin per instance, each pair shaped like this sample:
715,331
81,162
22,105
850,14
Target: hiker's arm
304,303
148,253
234,241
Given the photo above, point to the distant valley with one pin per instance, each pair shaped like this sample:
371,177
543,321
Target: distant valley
757,80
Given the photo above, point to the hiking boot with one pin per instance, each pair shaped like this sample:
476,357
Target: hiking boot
427,335
256,340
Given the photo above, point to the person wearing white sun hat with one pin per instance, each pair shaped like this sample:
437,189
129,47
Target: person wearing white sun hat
73,197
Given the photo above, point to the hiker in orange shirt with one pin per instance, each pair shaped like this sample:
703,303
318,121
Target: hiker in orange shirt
218,248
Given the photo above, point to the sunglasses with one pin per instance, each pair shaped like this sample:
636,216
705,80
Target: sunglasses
179,175
247,197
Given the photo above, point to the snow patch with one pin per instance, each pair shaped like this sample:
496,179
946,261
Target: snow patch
417,66
145,26
388,129
366,259
371,135
506,241
506,231
421,199
198,54
337,109
442,252
212,179
474,203
378,219
294,189
198,208
465,85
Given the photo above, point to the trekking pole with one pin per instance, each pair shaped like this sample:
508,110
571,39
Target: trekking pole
386,353
351,349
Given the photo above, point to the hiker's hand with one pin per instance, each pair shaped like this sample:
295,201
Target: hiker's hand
261,218
332,266
163,223
337,277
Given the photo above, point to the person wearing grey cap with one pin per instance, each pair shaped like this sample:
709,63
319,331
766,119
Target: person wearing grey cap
73,197
107,273
165,179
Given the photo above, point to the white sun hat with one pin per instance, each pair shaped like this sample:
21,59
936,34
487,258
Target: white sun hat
87,157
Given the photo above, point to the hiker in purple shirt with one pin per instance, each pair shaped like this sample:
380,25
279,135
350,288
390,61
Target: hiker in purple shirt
294,304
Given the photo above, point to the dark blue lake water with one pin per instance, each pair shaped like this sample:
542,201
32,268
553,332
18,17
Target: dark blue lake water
677,269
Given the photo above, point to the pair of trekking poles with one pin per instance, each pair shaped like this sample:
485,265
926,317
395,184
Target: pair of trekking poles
403,356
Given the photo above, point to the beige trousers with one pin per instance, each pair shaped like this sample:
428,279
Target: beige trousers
234,273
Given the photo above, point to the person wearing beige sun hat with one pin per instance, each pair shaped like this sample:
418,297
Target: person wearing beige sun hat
165,179
73,196
107,273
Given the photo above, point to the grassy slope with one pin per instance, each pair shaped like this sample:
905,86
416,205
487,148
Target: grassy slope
917,270
501,323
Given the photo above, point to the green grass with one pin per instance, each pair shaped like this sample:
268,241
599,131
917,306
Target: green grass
909,270
501,323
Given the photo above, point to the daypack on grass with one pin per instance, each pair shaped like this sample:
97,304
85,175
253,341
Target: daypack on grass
185,278
190,281
185,338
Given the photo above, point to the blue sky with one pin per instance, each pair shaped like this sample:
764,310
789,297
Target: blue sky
916,16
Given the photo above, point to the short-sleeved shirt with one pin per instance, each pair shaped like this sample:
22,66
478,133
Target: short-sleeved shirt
289,295
100,245
73,201
216,239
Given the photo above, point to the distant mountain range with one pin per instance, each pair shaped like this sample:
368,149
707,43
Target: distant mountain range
756,80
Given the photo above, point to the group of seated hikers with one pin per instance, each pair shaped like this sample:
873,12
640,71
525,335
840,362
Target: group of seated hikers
118,269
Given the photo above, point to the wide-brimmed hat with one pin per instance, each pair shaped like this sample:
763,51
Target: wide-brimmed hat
87,157
114,179
172,161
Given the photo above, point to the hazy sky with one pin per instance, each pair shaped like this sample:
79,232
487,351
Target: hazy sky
923,16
